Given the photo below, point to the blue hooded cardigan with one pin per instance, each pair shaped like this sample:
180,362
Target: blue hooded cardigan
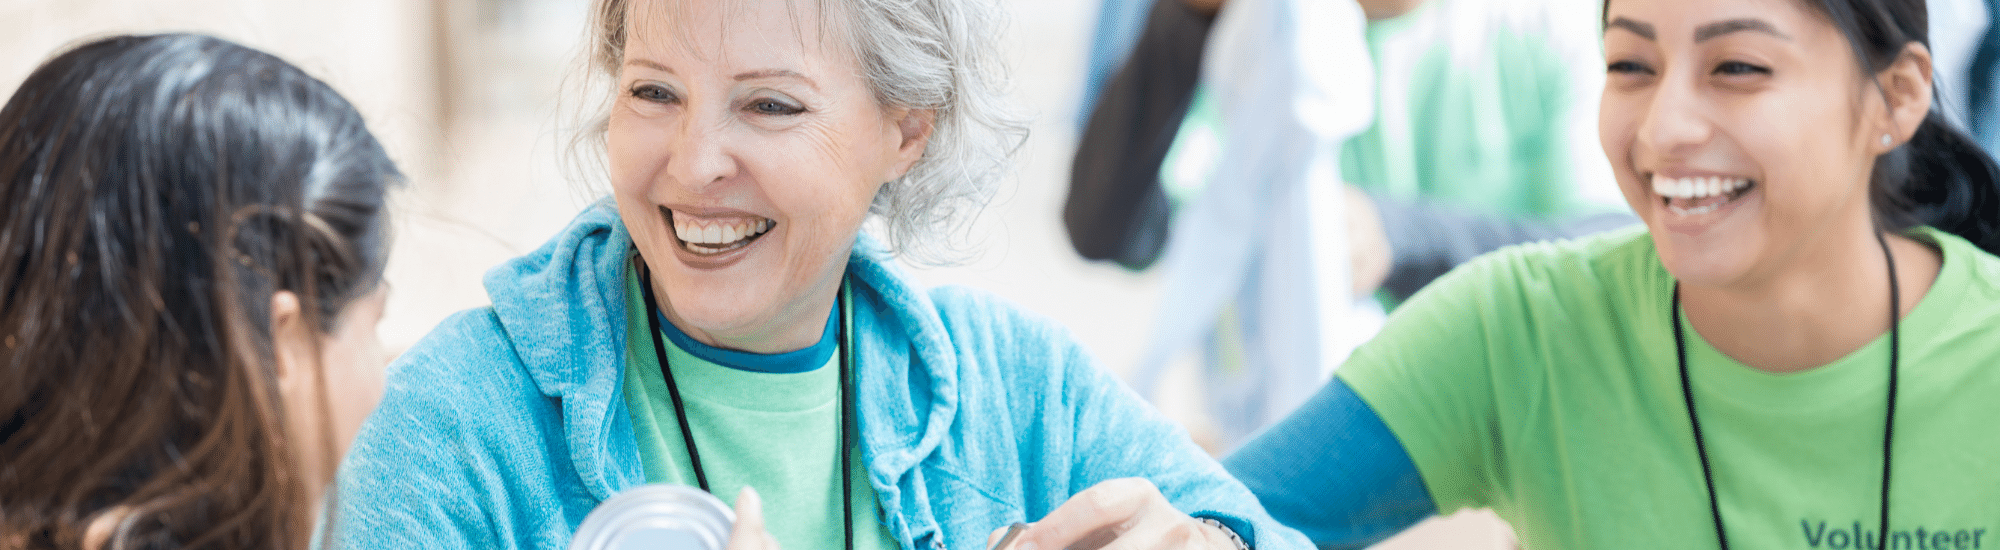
506,425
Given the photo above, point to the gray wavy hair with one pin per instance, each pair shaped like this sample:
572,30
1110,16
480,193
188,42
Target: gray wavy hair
940,55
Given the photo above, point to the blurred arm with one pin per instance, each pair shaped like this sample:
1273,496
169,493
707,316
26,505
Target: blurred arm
1114,179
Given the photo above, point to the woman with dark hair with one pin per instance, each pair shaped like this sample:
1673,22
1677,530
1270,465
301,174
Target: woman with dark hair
1798,350
191,251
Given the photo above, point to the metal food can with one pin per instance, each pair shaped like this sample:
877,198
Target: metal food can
656,517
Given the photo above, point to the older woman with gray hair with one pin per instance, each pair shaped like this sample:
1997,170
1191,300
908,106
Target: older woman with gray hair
723,322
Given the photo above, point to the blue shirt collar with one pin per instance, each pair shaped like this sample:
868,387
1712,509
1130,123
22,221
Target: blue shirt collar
804,360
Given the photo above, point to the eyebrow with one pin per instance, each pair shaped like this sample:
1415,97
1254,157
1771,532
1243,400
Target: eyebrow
1702,33
650,64
1720,28
747,75
776,73
1644,30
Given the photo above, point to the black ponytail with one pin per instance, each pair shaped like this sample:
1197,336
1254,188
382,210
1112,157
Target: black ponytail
1943,179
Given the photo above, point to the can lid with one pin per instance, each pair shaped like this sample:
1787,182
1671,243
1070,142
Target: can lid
657,516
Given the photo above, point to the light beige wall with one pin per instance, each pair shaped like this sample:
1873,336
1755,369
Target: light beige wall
374,51
459,91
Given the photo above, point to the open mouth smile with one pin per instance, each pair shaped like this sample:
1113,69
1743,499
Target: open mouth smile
1700,195
712,236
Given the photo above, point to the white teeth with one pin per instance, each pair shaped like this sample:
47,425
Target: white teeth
1696,211
719,235
1695,188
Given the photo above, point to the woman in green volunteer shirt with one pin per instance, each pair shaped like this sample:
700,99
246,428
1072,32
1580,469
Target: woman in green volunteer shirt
1799,350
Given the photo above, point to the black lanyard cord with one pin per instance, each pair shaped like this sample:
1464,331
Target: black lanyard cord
847,423
847,427
673,389
1888,417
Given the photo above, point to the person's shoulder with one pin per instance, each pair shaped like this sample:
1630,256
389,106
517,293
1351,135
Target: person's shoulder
1000,341
461,384
466,358
461,343
1969,280
1605,250
1983,266
1591,264
967,309
958,299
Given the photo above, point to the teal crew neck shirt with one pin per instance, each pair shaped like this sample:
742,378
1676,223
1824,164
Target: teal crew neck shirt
768,423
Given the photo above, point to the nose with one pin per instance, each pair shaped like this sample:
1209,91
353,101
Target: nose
698,153
1676,122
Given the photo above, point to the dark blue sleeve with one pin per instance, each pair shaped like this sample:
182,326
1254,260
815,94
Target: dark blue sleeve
1334,471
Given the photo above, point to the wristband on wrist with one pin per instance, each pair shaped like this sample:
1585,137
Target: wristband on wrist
1233,537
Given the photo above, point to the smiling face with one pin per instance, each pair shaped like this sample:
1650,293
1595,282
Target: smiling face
745,147
1741,131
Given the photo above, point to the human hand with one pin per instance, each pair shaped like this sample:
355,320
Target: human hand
749,532
1369,255
1120,514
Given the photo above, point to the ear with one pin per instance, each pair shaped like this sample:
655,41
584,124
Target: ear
291,341
914,127
1906,86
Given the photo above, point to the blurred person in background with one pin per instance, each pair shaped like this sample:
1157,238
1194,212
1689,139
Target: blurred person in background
723,322
1797,350
192,254
1476,137
1966,44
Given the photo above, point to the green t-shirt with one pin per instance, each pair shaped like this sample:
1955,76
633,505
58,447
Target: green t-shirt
1485,131
1542,382
776,432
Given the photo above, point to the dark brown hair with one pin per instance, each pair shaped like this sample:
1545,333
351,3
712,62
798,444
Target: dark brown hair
155,191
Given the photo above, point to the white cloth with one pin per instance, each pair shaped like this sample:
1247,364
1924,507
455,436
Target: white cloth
1293,81
1956,27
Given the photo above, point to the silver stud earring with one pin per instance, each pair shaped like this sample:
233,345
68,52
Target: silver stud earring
1885,140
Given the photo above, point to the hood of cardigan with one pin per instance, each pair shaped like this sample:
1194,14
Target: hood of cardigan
563,308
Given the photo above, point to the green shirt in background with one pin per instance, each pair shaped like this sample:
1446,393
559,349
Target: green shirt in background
1542,381
1484,129
775,432
1489,126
